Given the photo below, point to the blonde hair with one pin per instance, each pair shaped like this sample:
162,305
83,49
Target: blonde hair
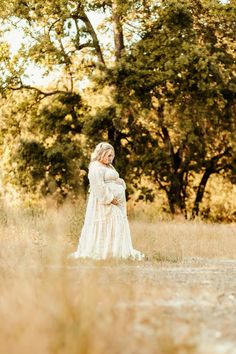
100,151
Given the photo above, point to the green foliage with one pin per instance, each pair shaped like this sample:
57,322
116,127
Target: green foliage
183,73
163,95
46,156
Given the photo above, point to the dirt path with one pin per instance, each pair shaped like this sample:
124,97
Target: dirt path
191,303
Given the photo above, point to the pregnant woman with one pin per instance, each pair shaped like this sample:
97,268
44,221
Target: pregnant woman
105,233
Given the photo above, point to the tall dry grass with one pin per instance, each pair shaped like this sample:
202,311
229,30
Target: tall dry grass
175,241
49,305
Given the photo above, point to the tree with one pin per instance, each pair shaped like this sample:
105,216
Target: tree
42,154
60,37
182,71
164,91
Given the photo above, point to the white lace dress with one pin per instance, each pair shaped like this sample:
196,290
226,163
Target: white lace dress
105,233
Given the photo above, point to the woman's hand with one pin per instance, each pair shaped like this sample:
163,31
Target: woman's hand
115,201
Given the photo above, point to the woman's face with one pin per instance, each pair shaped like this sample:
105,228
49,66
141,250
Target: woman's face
108,157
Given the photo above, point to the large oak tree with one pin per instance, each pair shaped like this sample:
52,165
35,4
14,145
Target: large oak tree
160,87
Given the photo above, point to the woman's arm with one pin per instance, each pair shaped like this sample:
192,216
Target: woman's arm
98,186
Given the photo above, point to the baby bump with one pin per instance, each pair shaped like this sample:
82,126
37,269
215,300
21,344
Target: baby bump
118,191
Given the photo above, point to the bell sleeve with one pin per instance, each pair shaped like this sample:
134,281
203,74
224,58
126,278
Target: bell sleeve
98,186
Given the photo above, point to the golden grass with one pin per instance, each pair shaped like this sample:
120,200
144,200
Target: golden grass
178,240
49,305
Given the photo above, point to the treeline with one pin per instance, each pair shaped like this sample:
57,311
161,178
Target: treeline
155,79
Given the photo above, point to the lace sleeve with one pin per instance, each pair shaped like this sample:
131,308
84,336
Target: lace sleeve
97,184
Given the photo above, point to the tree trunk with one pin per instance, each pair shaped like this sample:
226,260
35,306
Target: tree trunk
211,168
118,30
176,192
201,190
176,195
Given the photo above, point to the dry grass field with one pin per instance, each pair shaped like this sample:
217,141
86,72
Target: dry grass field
180,300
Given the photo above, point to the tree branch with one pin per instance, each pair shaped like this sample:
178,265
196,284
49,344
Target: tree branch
53,24
28,87
162,186
84,45
81,15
